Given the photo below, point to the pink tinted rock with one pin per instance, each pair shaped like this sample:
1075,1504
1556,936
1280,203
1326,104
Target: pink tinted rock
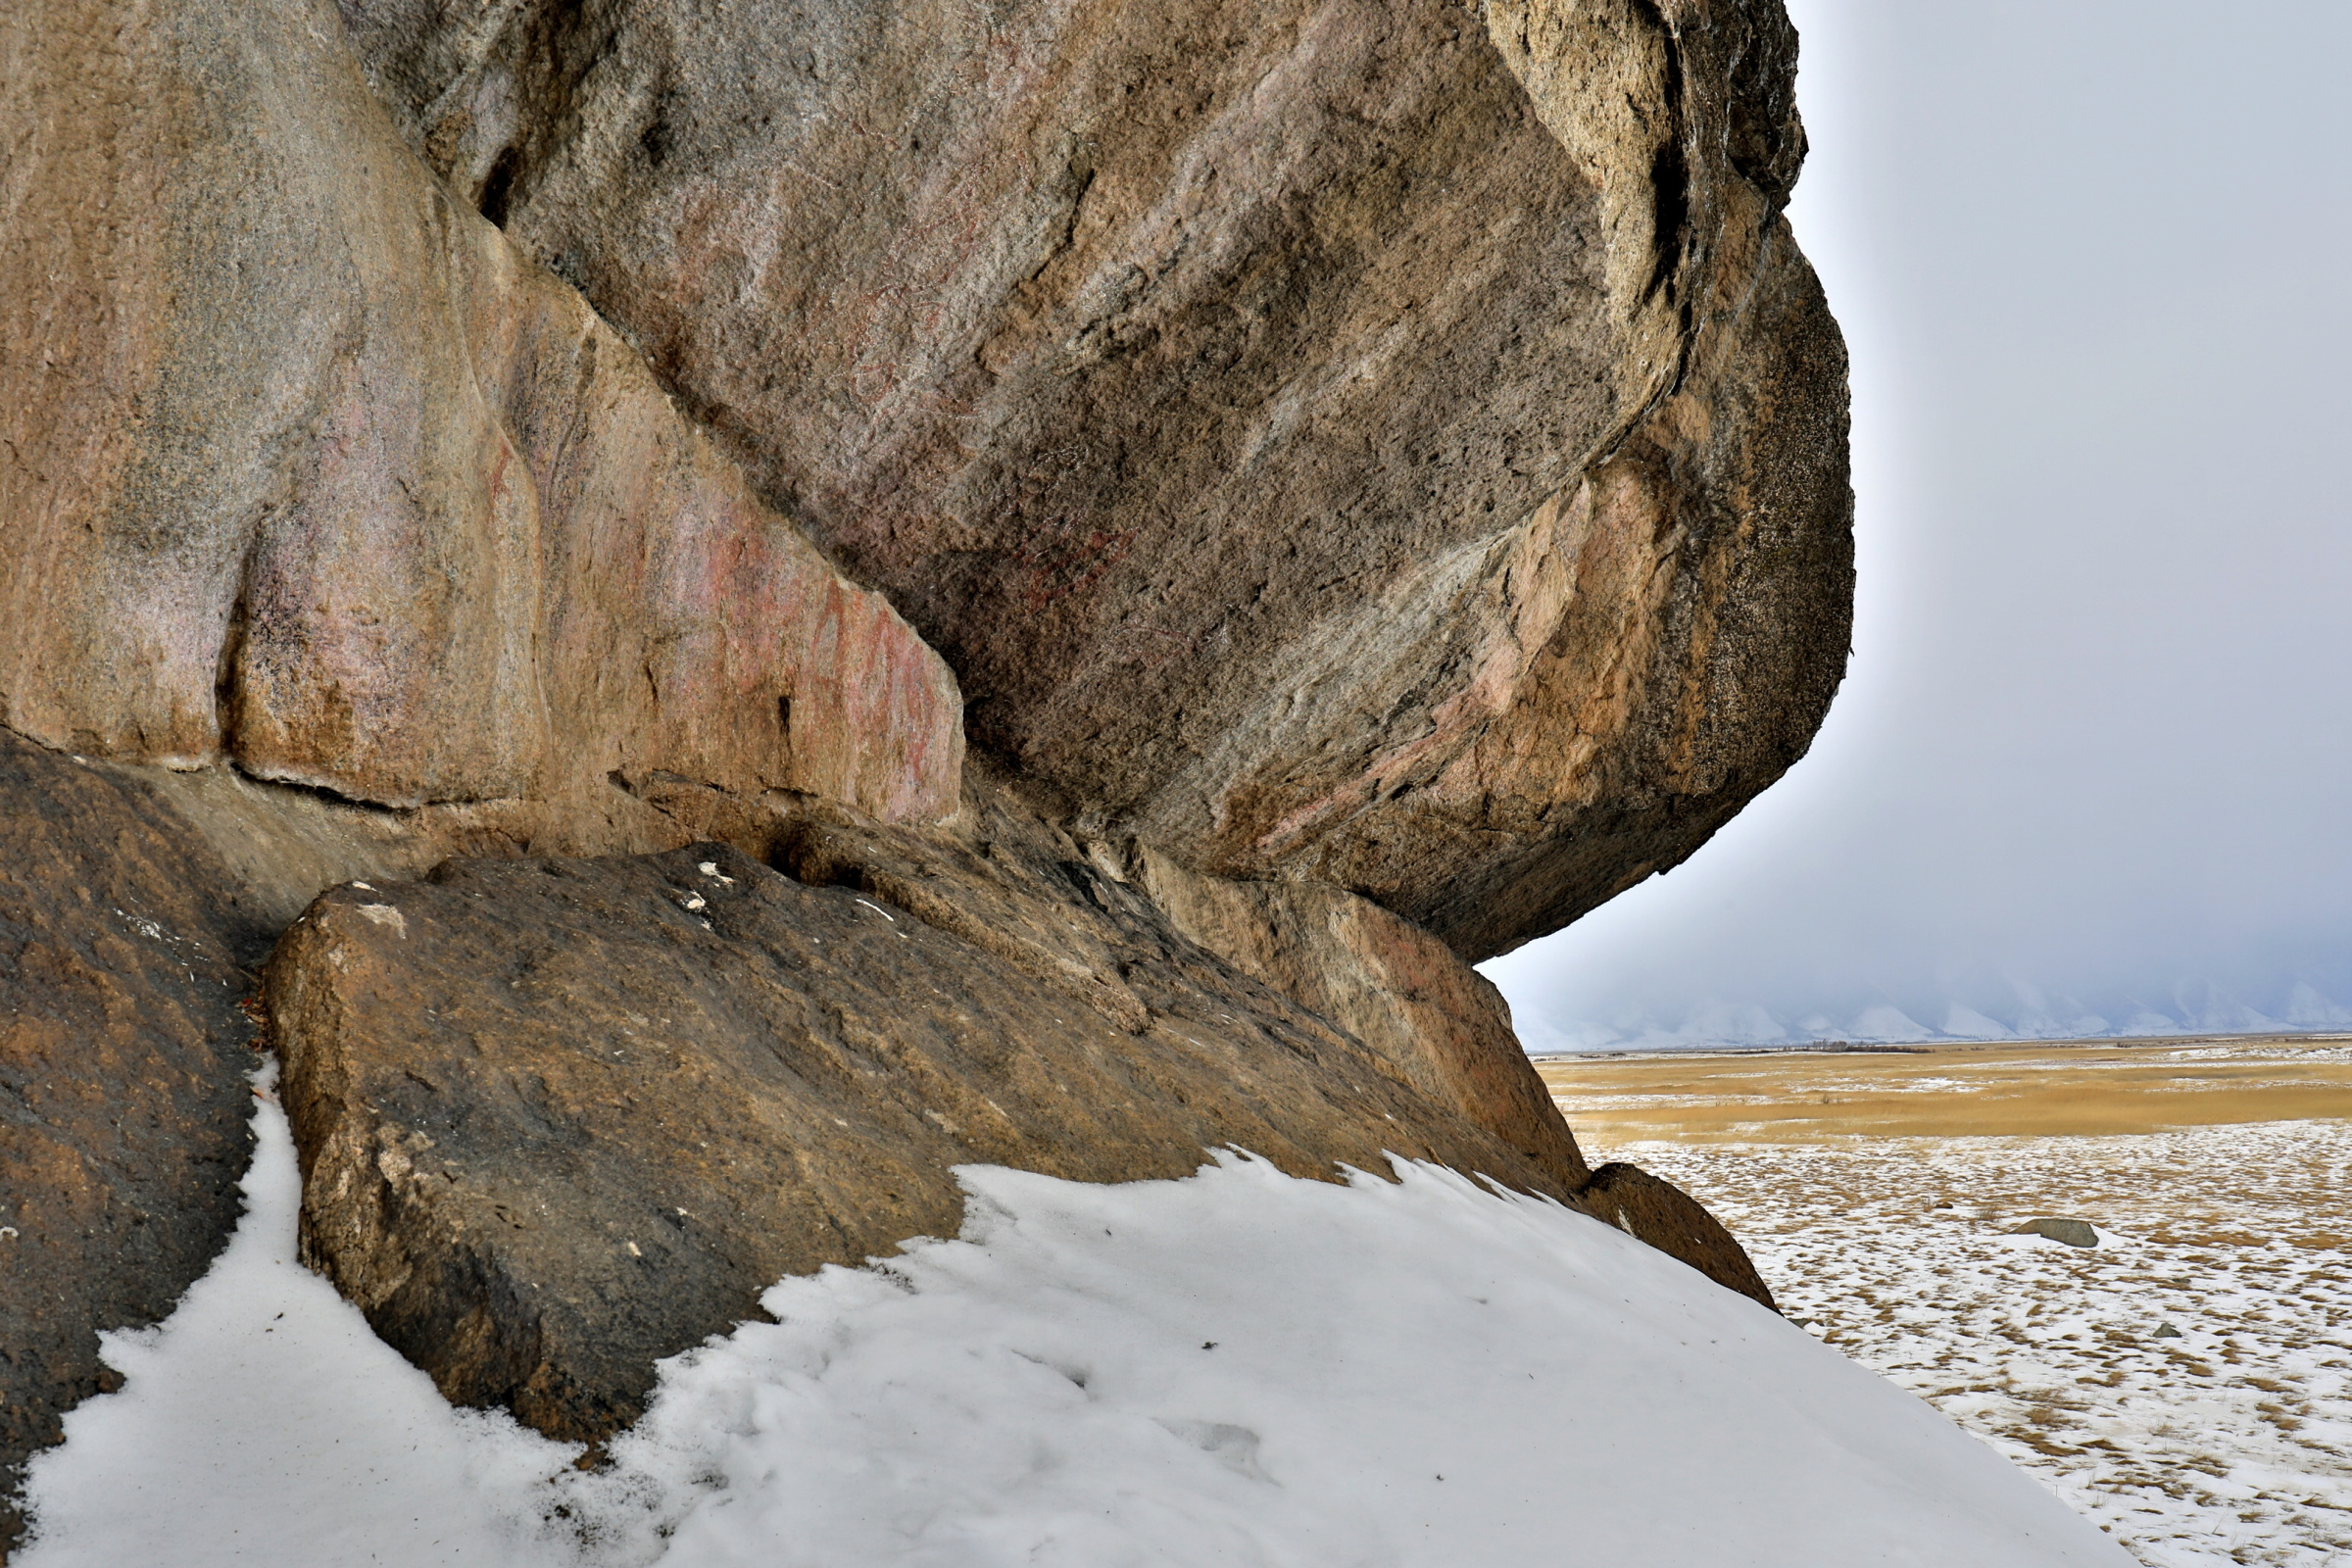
310,472
1226,388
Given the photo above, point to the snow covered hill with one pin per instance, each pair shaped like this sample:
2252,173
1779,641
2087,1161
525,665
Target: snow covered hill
2023,1012
1238,1368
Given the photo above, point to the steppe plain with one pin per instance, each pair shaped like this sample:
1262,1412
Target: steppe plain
2186,1383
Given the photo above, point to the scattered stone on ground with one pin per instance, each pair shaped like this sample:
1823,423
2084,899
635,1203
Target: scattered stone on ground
2073,1231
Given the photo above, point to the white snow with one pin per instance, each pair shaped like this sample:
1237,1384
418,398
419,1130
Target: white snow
265,1423
1967,1023
1886,1021
2227,1443
1238,1368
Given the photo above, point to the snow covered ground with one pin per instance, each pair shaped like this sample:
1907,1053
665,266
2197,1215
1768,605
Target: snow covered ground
1239,1368
2230,1444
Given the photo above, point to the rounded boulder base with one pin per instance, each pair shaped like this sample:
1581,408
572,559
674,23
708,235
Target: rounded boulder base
1652,1209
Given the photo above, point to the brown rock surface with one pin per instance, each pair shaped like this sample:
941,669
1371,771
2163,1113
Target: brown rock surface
1016,886
505,1077
310,472
123,1097
1355,440
1649,1208
1388,982
1387,452
557,1118
1702,581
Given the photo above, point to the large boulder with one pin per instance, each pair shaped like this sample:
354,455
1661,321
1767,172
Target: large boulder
1373,443
1376,468
1379,441
559,1119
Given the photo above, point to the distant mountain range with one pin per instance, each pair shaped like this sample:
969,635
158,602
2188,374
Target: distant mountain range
1878,1017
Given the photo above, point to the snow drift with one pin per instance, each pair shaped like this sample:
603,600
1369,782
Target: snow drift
1241,1367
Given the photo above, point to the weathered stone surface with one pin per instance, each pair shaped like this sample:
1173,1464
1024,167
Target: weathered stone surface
504,1077
1701,578
1649,1208
1376,441
1014,885
557,1118
1076,915
310,470
1410,999
1388,453
122,1100
284,845
1392,985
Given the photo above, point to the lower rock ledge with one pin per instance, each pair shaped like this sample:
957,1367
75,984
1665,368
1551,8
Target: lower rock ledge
559,1119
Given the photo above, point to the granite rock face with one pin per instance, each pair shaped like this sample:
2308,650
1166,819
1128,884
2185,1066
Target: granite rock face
1386,981
558,1118
311,472
124,955
1385,442
1376,468
1379,443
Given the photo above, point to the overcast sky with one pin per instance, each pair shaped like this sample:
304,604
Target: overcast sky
2093,754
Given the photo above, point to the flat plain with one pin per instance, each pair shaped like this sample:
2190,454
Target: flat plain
2186,1383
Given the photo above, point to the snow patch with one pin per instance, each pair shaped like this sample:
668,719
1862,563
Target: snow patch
263,1423
2183,1383
387,915
1237,1369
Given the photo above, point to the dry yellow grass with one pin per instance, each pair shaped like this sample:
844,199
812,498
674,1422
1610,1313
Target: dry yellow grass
2187,1384
2013,1089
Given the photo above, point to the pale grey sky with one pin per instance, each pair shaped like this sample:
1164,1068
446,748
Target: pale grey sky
2093,754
